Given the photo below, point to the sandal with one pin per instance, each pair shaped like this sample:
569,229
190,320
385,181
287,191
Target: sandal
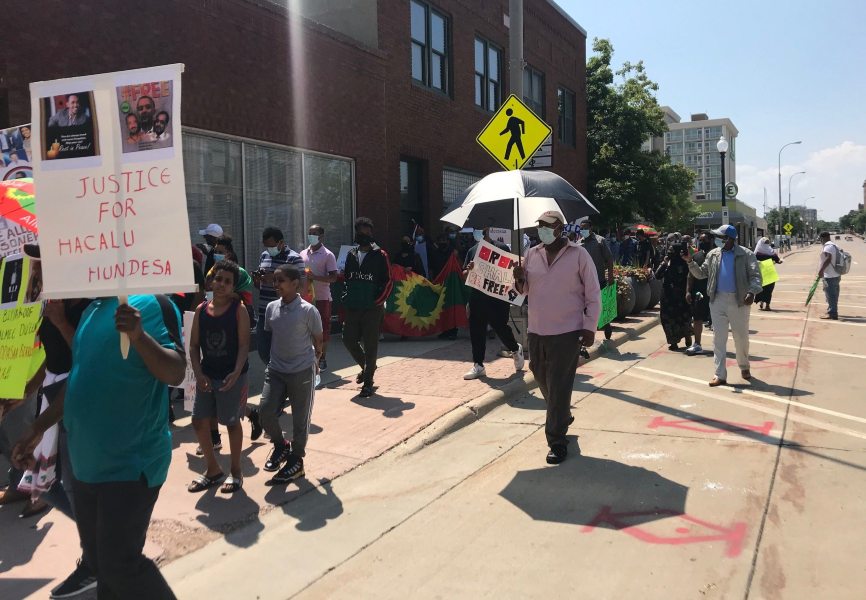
203,482
231,485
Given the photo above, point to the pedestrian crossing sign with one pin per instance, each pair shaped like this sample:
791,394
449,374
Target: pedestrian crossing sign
513,134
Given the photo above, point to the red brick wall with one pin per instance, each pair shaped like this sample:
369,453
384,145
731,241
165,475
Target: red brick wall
359,102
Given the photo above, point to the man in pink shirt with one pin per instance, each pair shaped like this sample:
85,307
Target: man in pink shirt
323,266
561,283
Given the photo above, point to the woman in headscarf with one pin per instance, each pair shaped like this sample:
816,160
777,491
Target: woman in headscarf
676,315
764,251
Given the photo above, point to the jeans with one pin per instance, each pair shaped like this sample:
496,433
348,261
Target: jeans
263,340
361,338
112,519
553,360
831,293
484,310
725,311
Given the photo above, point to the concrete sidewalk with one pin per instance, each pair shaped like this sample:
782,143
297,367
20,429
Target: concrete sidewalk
420,388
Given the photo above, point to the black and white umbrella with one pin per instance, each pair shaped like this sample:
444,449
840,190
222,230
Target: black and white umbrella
515,200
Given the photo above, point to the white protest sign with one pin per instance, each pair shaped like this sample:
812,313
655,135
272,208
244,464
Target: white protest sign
108,172
13,237
189,383
492,273
498,234
341,257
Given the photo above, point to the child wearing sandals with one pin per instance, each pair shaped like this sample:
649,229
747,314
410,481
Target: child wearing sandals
219,345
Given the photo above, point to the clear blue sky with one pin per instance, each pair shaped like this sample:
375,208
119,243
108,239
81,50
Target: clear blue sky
781,71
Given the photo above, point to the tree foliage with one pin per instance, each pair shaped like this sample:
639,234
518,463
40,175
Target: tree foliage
792,217
626,182
855,220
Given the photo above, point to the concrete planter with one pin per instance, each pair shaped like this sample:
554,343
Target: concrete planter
625,297
655,292
642,295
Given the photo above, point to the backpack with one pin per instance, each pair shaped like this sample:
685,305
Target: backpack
843,261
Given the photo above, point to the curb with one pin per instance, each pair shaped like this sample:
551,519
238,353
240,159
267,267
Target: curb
473,410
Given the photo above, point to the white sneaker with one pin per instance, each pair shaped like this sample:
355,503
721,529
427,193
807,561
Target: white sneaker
519,361
476,372
694,349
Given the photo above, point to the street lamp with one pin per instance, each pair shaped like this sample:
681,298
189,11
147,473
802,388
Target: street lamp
722,147
780,181
789,186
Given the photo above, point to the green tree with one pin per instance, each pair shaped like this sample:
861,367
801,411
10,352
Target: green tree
855,220
792,217
622,113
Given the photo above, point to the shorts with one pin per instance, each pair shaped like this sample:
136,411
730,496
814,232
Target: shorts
701,309
227,407
324,308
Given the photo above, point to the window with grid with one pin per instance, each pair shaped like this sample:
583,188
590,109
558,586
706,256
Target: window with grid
455,183
488,75
533,90
565,118
430,55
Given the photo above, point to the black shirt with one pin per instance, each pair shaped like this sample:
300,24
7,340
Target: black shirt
58,354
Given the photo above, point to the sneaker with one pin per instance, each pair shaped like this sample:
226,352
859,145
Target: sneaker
293,469
366,391
557,454
81,580
476,372
360,377
323,364
694,349
519,360
256,424
279,455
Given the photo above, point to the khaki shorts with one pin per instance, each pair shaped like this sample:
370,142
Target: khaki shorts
227,407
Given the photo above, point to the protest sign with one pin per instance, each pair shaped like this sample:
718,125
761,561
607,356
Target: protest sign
189,383
492,273
109,176
768,272
341,257
608,305
501,235
15,151
20,352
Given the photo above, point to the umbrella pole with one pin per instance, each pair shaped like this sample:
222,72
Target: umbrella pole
519,235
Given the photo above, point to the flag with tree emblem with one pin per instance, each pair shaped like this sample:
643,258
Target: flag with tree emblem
419,307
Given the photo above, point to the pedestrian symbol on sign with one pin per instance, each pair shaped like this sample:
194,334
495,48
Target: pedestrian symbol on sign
513,127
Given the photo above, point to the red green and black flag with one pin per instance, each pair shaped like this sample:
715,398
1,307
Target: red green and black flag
419,307
17,203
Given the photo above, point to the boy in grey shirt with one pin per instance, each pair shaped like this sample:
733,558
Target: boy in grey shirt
296,346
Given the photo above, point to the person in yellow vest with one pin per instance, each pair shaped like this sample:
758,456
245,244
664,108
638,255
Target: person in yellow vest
764,251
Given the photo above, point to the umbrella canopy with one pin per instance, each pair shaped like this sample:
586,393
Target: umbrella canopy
515,200
17,202
647,229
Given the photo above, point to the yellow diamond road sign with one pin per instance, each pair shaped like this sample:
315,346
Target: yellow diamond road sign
788,228
513,134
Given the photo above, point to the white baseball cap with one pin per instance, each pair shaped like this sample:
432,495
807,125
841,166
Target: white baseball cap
549,217
212,229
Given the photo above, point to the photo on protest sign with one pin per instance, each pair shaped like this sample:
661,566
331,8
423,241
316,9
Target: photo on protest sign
12,280
492,273
69,128
111,228
145,111
15,152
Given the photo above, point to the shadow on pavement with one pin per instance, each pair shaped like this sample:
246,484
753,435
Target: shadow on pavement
20,538
390,407
319,506
226,513
21,587
579,490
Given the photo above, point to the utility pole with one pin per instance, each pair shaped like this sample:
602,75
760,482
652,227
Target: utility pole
515,84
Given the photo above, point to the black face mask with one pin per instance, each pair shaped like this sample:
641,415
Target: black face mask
405,245
362,239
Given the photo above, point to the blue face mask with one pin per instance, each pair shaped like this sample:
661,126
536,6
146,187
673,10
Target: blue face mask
584,233
546,235
419,239
312,239
452,236
273,251
719,242
219,257
478,235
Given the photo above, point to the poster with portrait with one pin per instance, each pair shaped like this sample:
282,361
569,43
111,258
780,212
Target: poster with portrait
145,118
15,152
70,135
113,227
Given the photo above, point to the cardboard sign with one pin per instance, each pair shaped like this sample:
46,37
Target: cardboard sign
21,354
15,152
498,234
189,383
608,305
492,274
768,272
341,257
108,172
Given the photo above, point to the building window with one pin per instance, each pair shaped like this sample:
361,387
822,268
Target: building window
488,75
411,195
565,118
455,183
430,34
533,90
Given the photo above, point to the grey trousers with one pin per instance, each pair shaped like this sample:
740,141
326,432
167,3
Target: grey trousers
553,361
298,388
362,327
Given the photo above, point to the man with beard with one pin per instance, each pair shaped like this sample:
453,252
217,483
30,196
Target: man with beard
561,284
133,130
145,109
160,128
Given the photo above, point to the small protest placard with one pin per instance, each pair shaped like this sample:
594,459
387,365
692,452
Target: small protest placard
21,354
492,274
608,305
341,257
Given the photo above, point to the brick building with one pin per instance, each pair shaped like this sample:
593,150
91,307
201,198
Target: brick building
323,111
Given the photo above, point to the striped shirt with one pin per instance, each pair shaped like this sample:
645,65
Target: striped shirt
269,264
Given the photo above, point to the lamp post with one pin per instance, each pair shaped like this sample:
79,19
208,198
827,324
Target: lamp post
780,181
788,214
722,147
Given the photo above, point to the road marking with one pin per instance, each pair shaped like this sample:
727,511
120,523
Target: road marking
762,395
784,318
752,340
800,304
746,404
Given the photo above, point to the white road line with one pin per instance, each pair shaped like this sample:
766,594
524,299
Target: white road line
800,304
751,405
758,395
784,318
752,340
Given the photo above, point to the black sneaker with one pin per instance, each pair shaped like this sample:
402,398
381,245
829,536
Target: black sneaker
360,377
81,580
366,391
323,364
557,454
256,424
278,456
294,469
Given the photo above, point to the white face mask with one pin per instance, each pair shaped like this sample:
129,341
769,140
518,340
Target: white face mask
273,251
546,235
719,242
478,235
313,239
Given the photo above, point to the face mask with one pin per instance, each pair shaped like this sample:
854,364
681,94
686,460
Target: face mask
313,239
273,251
478,235
219,257
719,242
207,247
452,236
584,233
546,235
362,239
419,239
